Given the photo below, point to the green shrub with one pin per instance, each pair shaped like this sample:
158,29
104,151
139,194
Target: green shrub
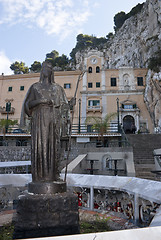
6,232
94,226
120,17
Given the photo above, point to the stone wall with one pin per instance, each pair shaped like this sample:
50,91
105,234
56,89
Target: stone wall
8,153
21,153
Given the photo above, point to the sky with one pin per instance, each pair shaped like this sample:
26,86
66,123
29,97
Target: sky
29,29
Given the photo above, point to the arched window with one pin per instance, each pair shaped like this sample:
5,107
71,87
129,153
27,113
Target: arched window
97,69
90,69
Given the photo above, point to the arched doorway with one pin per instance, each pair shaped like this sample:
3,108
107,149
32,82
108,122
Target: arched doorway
128,124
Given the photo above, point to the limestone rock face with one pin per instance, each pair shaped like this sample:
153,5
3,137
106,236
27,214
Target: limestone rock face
152,98
135,42
138,39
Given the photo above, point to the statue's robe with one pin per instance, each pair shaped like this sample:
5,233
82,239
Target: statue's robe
49,122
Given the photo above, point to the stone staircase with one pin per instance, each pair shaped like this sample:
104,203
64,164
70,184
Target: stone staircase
143,147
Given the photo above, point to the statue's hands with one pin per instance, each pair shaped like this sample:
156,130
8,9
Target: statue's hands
49,102
46,101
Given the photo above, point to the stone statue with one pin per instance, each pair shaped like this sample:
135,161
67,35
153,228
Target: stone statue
47,105
41,211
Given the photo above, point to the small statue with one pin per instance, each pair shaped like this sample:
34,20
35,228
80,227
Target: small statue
47,105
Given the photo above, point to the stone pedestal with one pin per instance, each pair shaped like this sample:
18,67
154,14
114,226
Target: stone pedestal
47,187
44,215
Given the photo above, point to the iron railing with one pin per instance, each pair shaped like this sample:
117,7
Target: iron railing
15,142
84,128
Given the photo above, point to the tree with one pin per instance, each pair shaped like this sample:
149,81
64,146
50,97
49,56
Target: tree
119,19
19,68
35,67
110,35
61,61
85,41
101,125
135,10
5,123
52,55
56,60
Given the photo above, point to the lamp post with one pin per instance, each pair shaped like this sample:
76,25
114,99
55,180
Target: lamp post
79,116
118,120
8,109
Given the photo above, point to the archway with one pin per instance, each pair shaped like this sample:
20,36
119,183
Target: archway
129,124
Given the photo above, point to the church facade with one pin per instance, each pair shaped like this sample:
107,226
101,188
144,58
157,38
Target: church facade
101,91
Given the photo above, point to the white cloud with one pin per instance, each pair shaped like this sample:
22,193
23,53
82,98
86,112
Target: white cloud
5,64
59,17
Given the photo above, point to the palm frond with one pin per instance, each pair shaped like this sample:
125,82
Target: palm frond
100,124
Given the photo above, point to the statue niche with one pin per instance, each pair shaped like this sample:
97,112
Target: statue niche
126,82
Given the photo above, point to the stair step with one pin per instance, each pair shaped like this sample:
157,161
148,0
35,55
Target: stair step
146,167
143,147
149,178
143,161
145,174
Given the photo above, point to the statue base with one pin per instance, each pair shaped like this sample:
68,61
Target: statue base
47,187
45,215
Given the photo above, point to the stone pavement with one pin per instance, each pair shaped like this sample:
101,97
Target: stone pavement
115,220
6,217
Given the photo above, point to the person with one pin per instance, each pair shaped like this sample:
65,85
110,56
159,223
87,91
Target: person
133,128
47,105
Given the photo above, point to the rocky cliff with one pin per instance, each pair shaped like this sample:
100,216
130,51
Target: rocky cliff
138,39
136,44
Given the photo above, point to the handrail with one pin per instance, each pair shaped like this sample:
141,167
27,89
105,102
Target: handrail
84,128
124,137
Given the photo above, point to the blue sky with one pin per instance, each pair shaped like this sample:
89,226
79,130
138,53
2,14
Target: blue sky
31,28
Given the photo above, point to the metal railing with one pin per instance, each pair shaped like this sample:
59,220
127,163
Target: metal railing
15,142
4,111
126,195
84,128
112,130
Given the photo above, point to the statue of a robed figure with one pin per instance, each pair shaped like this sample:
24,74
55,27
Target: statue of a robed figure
46,209
47,105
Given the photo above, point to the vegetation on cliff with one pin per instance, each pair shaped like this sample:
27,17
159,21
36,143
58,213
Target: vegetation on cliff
121,17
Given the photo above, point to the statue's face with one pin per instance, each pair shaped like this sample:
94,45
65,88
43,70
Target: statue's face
47,70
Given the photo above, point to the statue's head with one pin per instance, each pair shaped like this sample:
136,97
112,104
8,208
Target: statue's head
47,72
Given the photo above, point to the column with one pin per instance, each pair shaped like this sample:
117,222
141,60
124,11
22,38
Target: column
85,76
84,108
103,76
104,105
137,121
